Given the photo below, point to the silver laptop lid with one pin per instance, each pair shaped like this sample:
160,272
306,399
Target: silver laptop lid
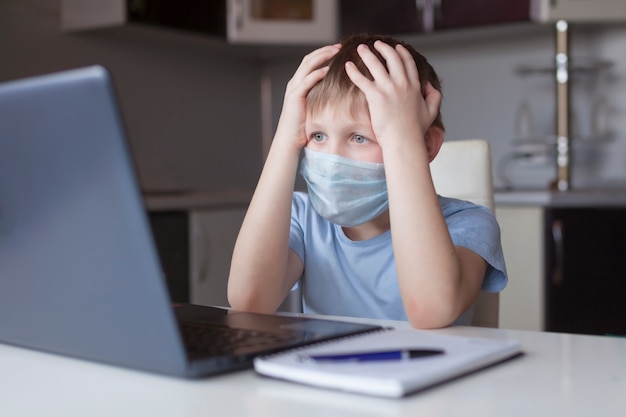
79,274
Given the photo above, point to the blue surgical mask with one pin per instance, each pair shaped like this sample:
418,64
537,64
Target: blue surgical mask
345,191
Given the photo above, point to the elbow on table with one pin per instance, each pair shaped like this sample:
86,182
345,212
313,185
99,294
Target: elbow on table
421,323
429,316
248,301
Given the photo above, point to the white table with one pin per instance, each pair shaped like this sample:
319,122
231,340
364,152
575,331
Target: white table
559,375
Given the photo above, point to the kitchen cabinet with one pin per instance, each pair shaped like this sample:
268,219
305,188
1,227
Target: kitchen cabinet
401,17
582,11
585,278
453,14
195,15
171,237
195,248
238,21
522,236
325,21
243,21
212,236
200,16
423,16
566,268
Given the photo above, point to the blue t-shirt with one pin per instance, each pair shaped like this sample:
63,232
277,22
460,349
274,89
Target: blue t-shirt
358,278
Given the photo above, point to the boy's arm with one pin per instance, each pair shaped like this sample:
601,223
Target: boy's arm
263,268
438,281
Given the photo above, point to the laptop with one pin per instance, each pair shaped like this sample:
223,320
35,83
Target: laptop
79,272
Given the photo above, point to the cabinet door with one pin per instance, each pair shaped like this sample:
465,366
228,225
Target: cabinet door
380,16
171,238
208,17
586,271
212,236
522,301
92,14
282,21
199,16
586,11
464,13
410,16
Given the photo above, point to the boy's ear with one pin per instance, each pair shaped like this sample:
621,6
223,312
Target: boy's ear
434,140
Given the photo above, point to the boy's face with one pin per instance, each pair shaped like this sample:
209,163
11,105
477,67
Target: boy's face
336,130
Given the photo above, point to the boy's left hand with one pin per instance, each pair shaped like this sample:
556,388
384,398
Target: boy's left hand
398,108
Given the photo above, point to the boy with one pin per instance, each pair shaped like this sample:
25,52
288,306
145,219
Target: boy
371,238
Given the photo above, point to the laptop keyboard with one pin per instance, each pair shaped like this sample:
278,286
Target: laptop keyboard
222,340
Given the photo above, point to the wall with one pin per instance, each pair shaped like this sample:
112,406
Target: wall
193,113
191,108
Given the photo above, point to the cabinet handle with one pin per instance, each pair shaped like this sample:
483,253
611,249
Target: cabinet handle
559,253
428,9
237,12
203,243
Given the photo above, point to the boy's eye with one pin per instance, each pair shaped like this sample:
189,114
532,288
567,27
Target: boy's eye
360,139
318,137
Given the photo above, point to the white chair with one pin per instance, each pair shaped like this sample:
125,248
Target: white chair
462,170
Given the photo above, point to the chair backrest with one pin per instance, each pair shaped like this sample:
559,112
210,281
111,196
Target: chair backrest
462,170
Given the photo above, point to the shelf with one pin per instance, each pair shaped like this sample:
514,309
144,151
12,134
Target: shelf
575,67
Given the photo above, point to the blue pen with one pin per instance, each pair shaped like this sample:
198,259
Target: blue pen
383,355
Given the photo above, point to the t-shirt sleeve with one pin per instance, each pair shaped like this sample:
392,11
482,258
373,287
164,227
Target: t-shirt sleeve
476,228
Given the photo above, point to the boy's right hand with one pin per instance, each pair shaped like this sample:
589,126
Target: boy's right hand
291,124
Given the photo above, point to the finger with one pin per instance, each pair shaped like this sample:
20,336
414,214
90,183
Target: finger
432,97
361,81
410,67
310,70
395,64
322,51
332,49
312,78
315,59
373,64
318,56
297,89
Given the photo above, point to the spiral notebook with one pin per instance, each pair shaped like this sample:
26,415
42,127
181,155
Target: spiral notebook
456,356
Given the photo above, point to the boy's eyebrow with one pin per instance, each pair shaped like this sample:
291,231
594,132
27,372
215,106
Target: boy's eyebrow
313,126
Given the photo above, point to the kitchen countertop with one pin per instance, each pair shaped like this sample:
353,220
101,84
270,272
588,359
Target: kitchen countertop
196,200
199,200
591,197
